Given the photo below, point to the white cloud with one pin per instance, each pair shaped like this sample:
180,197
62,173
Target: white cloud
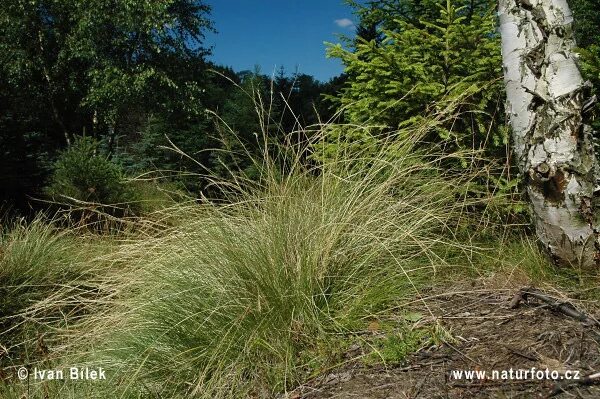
344,23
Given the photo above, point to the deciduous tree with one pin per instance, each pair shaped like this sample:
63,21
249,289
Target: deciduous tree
547,100
94,67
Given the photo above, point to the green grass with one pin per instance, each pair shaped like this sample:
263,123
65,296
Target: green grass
251,296
227,303
42,270
34,258
239,298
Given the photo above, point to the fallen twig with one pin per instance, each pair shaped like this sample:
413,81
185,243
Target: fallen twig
462,353
418,366
563,307
592,379
522,354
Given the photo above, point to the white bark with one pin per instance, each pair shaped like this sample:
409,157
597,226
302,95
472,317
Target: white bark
553,145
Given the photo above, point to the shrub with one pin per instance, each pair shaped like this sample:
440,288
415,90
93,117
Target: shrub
84,178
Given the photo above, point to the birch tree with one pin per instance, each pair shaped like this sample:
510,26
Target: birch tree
547,100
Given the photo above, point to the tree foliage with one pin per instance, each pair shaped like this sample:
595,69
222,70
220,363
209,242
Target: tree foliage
71,67
587,36
435,56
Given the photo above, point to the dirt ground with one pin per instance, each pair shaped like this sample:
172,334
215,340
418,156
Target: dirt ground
488,335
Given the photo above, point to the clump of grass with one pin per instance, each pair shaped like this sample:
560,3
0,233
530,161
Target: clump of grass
45,275
33,252
233,301
398,345
33,258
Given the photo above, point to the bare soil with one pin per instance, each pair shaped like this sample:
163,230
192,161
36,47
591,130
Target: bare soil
488,335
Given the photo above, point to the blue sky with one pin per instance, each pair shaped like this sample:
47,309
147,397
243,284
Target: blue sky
271,33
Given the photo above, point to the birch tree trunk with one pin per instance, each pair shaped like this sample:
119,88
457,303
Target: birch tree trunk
546,102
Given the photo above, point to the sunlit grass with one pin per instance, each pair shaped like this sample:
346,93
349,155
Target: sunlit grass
233,301
47,279
251,294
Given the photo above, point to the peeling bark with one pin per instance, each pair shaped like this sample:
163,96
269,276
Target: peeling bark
546,100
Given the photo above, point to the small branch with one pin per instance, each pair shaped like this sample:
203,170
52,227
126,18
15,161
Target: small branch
524,355
563,307
462,353
592,379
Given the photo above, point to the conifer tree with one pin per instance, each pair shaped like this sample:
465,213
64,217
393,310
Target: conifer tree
422,64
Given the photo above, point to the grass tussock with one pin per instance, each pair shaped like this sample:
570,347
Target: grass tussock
241,298
47,281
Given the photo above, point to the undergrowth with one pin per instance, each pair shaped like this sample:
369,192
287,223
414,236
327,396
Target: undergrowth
237,299
254,293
